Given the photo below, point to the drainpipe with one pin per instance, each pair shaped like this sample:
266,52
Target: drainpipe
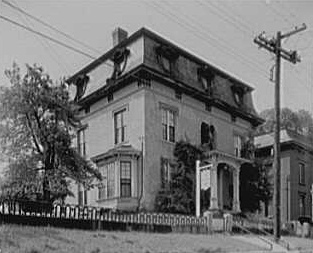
287,188
142,166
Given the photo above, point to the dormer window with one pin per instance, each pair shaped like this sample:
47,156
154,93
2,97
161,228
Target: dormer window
166,63
238,94
166,57
206,77
81,85
120,61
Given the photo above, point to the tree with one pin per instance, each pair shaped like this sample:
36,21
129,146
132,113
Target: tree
254,179
179,195
300,121
37,125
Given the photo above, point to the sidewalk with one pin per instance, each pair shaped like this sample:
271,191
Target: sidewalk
295,244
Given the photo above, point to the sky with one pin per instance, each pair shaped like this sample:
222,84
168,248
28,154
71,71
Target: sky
220,32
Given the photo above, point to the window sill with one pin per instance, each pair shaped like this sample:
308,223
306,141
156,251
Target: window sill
107,199
121,143
168,142
116,199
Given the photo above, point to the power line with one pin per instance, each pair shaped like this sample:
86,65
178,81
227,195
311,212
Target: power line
277,13
193,29
289,13
217,10
47,37
49,26
234,16
46,45
217,39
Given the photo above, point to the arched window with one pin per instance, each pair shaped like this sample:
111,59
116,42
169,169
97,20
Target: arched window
205,136
212,137
208,135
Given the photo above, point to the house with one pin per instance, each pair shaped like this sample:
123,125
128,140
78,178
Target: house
296,172
141,97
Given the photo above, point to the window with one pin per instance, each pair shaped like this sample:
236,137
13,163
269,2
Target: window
119,127
165,172
237,145
238,94
206,77
125,179
106,189
301,173
85,197
111,180
166,58
81,141
208,135
82,195
301,204
168,125
166,63
102,190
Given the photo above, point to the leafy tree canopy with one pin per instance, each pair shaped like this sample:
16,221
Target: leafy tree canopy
37,125
300,121
255,186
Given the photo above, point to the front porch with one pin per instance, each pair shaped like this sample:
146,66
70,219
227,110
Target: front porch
223,180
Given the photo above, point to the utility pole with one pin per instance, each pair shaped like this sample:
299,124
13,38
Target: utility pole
274,46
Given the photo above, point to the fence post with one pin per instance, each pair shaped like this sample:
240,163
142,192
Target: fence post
228,222
209,221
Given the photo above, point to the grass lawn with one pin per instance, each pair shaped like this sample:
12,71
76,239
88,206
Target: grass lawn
27,239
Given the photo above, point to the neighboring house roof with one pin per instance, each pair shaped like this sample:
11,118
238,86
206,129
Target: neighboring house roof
286,136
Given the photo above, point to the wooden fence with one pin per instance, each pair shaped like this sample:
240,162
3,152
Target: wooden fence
87,217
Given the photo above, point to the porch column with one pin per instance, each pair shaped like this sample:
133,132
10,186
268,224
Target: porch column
213,185
220,187
236,201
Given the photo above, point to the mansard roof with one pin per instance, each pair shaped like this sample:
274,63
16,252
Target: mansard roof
187,80
144,31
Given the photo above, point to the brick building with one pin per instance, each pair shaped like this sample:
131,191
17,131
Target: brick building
296,173
141,97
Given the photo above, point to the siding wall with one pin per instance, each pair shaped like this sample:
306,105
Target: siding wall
191,113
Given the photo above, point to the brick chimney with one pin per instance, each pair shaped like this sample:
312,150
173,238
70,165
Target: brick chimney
118,36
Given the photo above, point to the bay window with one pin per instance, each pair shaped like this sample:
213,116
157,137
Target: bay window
125,179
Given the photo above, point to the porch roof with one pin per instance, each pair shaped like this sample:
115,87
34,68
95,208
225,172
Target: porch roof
223,157
126,150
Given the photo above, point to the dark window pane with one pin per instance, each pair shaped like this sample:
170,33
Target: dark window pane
172,134
125,179
164,131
